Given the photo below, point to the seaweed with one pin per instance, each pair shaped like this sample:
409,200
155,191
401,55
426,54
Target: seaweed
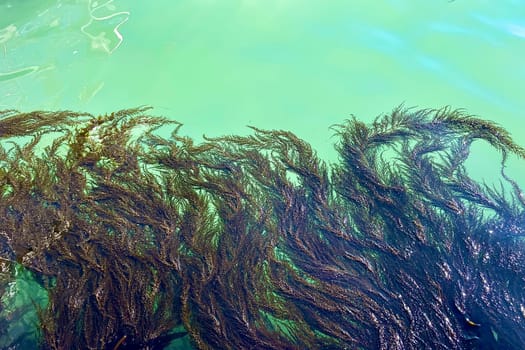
138,237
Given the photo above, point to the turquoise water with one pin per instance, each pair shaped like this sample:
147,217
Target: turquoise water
218,66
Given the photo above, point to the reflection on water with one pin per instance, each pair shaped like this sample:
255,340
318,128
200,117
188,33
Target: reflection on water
90,90
7,33
17,73
42,45
273,63
104,15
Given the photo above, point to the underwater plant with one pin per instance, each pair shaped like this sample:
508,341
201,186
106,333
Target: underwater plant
139,240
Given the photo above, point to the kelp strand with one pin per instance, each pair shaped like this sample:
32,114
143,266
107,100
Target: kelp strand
140,239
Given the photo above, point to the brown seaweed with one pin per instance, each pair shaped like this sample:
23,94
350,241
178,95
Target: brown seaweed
139,238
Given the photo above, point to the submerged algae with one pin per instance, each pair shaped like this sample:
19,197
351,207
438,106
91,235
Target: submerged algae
134,235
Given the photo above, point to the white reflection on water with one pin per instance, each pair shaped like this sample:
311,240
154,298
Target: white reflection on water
104,13
511,26
257,60
516,29
7,33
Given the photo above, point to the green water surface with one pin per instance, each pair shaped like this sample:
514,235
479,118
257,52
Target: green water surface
218,66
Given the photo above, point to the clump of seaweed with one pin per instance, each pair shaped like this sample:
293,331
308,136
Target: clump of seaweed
140,239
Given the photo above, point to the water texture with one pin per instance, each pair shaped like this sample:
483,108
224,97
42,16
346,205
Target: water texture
218,66
409,236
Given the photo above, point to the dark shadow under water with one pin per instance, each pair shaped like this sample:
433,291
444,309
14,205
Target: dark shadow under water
138,240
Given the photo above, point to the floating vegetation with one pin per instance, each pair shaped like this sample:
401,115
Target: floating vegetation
138,240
